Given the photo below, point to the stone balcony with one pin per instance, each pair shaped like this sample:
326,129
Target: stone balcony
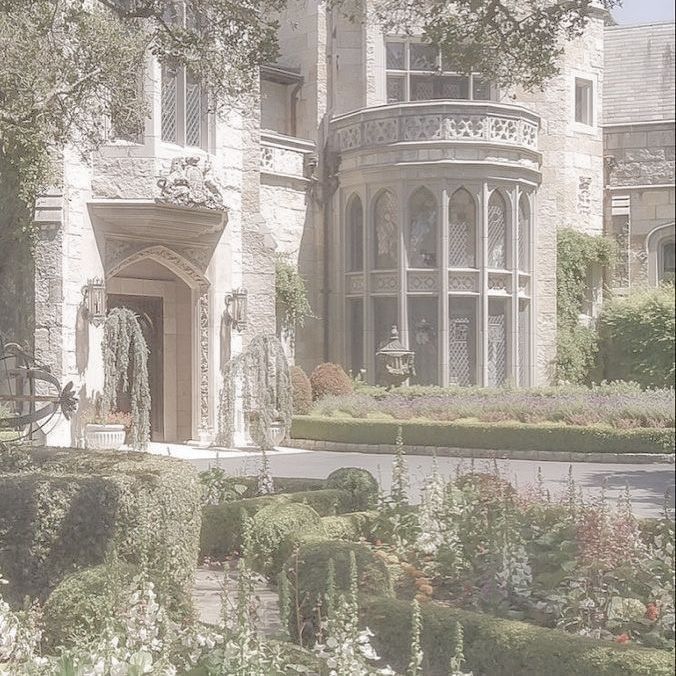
285,156
438,132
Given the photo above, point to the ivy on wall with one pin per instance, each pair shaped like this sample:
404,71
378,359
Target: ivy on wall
577,345
293,305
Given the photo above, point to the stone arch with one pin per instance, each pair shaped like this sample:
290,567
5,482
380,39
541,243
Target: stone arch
172,260
655,241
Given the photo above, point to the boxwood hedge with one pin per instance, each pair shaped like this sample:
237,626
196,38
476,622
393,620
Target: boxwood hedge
499,647
482,435
66,510
222,524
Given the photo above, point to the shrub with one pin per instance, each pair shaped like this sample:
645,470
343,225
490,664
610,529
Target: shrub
502,647
329,379
308,571
637,337
82,602
352,527
301,390
277,528
222,524
360,483
494,436
73,508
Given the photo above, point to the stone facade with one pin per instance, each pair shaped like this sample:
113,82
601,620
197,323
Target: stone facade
639,151
438,214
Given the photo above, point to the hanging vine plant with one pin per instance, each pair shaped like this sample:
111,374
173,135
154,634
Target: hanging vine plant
293,305
261,376
125,363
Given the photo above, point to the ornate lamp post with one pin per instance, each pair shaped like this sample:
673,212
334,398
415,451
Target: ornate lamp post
394,362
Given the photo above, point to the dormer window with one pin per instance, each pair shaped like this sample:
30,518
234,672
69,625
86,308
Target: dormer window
417,72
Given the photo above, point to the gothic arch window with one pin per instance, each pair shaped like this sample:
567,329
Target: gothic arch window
385,232
355,235
422,231
462,230
524,233
497,231
667,261
659,246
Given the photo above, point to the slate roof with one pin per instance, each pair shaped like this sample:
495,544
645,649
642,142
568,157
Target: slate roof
639,75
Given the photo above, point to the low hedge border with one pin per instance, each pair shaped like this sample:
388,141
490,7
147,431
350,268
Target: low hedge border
490,436
222,524
499,647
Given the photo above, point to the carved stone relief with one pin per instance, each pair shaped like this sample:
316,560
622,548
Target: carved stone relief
190,183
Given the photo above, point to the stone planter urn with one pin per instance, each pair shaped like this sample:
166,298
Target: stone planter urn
104,437
277,432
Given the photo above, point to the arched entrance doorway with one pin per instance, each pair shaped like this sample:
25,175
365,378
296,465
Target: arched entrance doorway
166,294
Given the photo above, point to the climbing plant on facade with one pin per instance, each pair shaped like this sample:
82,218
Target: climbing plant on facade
293,306
577,345
125,363
260,376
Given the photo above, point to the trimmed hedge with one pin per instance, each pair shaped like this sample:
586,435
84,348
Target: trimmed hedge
82,602
308,570
352,527
499,647
359,482
222,524
71,509
492,436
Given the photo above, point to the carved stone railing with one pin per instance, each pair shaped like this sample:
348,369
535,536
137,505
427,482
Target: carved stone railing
286,155
437,122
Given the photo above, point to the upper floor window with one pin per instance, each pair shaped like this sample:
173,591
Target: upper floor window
584,101
184,114
416,71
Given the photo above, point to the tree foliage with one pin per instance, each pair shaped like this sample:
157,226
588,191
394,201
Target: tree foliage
511,42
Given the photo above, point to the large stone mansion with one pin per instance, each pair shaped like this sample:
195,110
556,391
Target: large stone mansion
407,194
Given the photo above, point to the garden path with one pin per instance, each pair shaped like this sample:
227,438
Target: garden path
647,483
212,582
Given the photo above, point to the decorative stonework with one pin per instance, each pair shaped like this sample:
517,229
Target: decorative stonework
584,196
190,183
118,250
276,160
355,284
422,281
462,282
384,281
203,309
498,283
446,126
174,261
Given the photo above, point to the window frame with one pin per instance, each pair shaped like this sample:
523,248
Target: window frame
584,84
182,77
407,74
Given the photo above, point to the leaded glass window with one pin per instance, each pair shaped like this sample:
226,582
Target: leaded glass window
169,118
524,234
497,342
422,232
423,331
462,230
416,72
355,335
462,332
384,318
355,235
524,342
386,232
497,231
193,110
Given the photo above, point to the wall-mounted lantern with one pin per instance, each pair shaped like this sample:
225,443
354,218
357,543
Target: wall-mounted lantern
94,297
236,308
394,363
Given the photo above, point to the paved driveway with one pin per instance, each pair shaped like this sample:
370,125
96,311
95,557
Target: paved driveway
647,483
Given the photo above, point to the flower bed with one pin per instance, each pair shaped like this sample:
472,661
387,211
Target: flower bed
507,436
619,406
